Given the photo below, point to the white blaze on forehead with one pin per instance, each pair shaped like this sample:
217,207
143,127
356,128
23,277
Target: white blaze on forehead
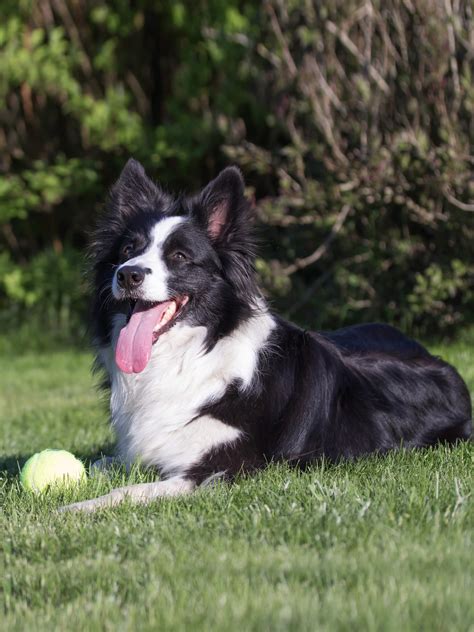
155,285
163,229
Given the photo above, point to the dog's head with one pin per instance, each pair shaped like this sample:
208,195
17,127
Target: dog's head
159,260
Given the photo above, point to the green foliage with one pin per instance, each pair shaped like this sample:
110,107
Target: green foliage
440,293
351,121
48,293
44,186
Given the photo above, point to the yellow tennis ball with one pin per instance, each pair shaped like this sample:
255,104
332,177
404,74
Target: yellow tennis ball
51,467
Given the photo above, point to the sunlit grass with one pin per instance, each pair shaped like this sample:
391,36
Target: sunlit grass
384,543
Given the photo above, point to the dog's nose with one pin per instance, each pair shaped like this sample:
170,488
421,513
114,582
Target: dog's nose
130,277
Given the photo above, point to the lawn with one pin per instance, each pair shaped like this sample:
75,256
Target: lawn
380,544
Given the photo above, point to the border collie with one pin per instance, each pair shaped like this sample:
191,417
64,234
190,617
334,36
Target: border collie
206,382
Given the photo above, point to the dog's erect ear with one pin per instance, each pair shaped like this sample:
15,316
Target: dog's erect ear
220,202
223,211
133,189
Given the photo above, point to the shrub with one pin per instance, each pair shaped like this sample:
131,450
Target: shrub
362,168
351,120
45,298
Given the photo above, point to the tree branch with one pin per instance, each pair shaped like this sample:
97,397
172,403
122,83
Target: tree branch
457,203
299,264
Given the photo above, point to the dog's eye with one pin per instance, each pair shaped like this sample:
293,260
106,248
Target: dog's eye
127,250
178,256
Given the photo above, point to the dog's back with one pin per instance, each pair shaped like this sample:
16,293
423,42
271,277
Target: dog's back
375,337
352,392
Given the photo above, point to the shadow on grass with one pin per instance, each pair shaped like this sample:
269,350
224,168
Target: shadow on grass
10,465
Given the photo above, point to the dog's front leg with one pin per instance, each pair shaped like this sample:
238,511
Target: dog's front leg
141,493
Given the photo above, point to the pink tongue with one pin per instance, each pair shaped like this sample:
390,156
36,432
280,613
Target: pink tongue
136,338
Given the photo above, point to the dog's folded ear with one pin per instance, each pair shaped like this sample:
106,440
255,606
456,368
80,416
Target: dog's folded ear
133,190
221,204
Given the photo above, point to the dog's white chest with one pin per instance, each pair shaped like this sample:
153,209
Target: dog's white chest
156,413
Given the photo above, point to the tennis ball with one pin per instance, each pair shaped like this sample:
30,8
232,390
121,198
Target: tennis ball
51,467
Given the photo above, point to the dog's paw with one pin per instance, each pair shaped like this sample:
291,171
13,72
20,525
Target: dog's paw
86,506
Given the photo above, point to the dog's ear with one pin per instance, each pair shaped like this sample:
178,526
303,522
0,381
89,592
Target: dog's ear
133,190
223,211
221,203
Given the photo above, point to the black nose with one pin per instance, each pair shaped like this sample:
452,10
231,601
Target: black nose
130,277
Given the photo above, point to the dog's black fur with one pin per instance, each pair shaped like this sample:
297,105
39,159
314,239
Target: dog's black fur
360,390
356,391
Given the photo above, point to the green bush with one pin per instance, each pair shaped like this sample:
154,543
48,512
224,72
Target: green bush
45,298
351,121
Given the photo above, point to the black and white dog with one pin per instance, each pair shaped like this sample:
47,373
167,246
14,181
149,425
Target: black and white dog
206,382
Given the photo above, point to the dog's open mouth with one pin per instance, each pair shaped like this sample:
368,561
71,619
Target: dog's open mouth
147,323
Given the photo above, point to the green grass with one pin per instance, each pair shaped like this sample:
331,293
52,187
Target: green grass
381,544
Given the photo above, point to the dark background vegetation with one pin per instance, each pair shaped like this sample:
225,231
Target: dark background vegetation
351,120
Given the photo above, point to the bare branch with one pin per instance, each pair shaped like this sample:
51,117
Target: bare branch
352,48
452,49
299,264
457,203
281,40
73,32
